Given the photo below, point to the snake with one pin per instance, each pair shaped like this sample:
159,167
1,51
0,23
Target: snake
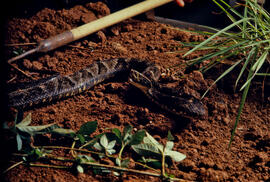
142,74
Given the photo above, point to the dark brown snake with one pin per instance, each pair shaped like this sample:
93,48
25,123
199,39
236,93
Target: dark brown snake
142,75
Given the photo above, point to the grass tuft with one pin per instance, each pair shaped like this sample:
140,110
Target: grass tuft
251,40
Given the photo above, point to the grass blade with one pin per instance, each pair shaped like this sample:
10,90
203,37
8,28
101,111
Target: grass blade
242,102
215,54
215,35
255,68
253,53
222,75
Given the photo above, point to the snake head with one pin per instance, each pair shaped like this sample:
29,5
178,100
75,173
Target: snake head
172,103
178,104
139,81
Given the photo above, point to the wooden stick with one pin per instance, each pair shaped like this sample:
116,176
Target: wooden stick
21,44
21,71
116,17
86,29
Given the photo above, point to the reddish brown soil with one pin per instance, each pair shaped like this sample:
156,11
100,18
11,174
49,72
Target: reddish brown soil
204,140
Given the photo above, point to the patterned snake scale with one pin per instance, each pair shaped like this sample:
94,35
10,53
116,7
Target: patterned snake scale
144,77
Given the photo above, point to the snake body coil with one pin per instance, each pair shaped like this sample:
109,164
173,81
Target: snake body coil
63,86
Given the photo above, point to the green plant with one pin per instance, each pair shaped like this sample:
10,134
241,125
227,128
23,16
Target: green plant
152,148
18,51
90,151
127,138
251,41
105,146
24,131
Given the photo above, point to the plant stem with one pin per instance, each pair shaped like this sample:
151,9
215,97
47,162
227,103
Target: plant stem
87,143
72,149
163,164
120,152
144,165
68,148
13,166
63,159
91,164
83,150
129,170
48,166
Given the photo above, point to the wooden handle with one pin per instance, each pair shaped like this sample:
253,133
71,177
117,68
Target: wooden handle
116,17
86,29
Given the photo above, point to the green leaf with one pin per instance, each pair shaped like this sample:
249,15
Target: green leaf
169,146
85,158
5,126
63,131
176,156
26,121
111,144
127,133
88,128
155,163
104,141
81,138
98,146
111,136
117,132
118,162
170,136
170,175
147,150
19,142
151,140
32,130
116,173
126,138
80,169
39,153
110,151
137,138
125,163
128,129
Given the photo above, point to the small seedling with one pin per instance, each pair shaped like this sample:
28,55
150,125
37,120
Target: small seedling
82,135
105,146
152,148
126,138
82,159
18,51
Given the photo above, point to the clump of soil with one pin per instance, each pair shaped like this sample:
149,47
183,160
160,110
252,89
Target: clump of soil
203,139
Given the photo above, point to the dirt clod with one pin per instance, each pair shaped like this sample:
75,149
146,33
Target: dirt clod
101,37
37,65
27,64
